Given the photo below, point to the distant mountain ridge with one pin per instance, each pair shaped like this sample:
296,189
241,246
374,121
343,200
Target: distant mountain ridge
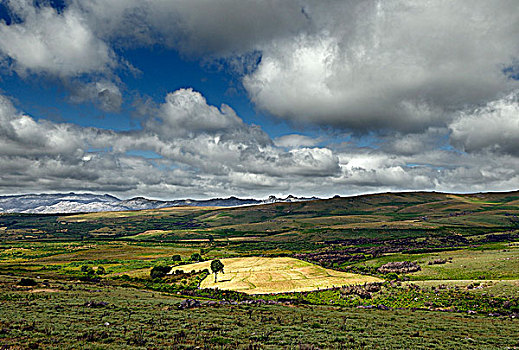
65,203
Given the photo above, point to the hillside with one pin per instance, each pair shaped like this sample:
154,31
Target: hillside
386,215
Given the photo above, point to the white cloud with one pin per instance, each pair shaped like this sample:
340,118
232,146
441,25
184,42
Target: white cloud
213,153
232,159
412,72
393,65
400,65
21,135
186,111
494,127
48,42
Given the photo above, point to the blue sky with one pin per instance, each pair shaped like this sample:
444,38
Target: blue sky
158,71
203,99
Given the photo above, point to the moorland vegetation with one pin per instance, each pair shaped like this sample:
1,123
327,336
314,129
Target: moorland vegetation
395,270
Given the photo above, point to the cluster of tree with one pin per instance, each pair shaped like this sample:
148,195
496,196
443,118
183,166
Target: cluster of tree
89,270
160,271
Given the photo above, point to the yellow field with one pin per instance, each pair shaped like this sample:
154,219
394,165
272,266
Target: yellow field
258,275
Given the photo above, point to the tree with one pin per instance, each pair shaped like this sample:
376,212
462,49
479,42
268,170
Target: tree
87,270
159,271
196,257
100,270
176,258
216,266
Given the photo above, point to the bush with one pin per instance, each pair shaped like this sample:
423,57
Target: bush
196,257
176,258
437,262
159,271
27,282
399,267
87,270
391,276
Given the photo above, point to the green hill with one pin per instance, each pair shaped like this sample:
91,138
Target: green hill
385,215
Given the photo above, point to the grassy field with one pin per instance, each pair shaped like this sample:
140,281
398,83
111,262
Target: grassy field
82,315
259,275
86,281
461,264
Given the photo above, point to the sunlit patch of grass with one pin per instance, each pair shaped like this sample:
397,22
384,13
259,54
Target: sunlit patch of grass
258,275
462,264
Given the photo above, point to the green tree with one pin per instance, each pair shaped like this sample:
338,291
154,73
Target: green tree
196,257
176,258
159,271
216,266
87,270
100,270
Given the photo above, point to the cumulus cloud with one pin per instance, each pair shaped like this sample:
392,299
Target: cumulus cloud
368,66
494,127
397,65
231,159
21,135
426,80
365,170
394,65
186,111
60,44
45,41
216,153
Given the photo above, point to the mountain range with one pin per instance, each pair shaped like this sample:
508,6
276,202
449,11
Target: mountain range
88,202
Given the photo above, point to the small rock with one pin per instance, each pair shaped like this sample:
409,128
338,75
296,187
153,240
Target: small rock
189,303
95,304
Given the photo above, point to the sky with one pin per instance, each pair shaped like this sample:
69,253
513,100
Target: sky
201,99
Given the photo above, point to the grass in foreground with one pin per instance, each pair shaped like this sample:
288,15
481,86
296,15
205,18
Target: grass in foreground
67,315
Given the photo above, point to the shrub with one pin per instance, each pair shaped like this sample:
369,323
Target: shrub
159,271
399,267
391,276
196,257
87,270
437,262
27,282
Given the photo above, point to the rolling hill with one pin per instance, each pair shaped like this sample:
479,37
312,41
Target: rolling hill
378,216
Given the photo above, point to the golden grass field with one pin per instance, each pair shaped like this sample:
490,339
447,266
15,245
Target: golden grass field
259,275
